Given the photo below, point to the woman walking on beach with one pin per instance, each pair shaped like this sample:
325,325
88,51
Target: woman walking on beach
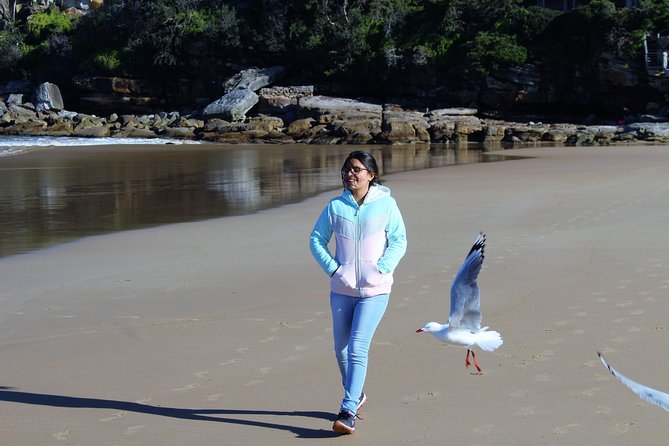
370,240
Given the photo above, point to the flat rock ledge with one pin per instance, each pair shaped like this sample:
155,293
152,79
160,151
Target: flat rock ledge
326,120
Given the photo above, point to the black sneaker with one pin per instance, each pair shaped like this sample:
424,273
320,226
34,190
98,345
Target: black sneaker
345,423
363,400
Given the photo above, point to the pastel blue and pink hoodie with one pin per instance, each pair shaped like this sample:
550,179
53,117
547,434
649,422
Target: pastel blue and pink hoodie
370,240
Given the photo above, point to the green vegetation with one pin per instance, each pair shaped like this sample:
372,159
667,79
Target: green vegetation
490,52
44,24
339,40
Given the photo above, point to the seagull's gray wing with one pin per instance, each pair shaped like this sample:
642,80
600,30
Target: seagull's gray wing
465,296
645,393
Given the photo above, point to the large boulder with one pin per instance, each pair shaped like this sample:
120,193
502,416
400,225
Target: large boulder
341,108
48,97
282,101
21,113
254,79
233,106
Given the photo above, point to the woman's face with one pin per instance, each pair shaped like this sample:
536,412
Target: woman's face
356,176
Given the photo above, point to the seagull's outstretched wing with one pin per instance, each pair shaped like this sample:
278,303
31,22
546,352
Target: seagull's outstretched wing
465,297
645,393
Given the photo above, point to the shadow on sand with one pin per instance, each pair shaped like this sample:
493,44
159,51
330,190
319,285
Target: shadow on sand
9,394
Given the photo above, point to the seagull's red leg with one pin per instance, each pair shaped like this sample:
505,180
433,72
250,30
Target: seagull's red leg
478,367
467,363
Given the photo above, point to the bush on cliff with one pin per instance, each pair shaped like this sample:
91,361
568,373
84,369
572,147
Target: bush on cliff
490,52
11,43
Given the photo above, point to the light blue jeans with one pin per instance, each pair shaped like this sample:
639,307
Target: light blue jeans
354,321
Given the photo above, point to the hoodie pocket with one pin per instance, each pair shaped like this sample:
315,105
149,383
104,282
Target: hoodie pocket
343,278
370,276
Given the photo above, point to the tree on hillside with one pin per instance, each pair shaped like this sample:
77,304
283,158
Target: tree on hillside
178,36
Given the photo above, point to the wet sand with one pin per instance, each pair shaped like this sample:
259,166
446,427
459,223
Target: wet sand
218,332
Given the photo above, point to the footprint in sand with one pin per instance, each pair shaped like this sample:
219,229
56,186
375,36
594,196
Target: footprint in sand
565,429
525,411
542,378
623,428
62,436
424,289
589,364
231,361
242,349
215,397
265,370
186,387
115,416
522,393
270,339
485,429
254,382
603,410
132,430
202,374
589,392
422,396
600,377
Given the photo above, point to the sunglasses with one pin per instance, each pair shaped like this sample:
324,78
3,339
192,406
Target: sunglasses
355,169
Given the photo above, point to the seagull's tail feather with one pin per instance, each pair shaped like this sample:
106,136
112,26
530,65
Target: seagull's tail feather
488,340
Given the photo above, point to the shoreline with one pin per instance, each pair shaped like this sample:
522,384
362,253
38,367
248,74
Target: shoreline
219,330
331,120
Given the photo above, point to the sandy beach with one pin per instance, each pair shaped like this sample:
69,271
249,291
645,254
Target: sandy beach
218,332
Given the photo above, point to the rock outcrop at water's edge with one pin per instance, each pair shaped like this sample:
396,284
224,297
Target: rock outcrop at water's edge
295,115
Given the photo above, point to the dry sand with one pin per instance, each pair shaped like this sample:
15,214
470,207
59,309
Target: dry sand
218,332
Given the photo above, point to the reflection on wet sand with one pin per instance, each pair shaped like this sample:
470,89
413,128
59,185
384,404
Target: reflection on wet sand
58,194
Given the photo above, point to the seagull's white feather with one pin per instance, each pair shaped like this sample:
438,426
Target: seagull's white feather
645,393
465,293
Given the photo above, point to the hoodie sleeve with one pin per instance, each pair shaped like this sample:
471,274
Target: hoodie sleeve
397,240
318,243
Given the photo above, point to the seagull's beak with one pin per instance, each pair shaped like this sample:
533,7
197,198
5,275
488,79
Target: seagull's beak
420,330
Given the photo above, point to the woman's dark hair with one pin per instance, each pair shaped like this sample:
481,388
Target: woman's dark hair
367,160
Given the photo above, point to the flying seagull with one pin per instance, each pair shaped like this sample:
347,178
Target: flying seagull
464,323
645,393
